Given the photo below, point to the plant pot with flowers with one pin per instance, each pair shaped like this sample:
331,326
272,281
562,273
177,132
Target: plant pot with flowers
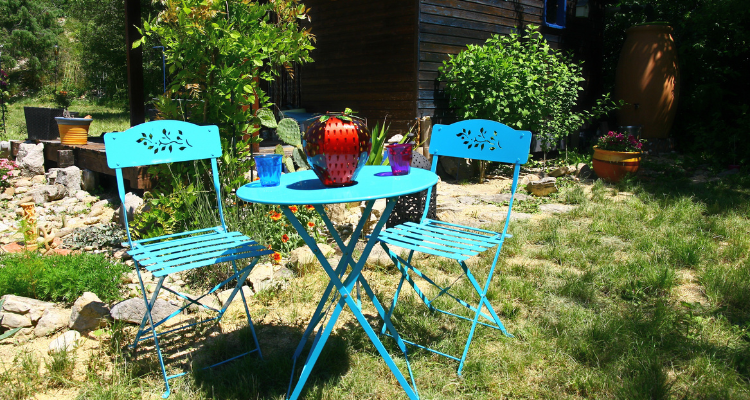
616,155
72,130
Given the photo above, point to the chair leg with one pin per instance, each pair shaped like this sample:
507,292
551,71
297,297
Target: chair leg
149,306
240,283
389,314
471,335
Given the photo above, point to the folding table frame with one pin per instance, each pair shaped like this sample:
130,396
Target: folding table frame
373,183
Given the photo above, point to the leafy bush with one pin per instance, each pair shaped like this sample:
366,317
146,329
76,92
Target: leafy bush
521,81
217,52
60,278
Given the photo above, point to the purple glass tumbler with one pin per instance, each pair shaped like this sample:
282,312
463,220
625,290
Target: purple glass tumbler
269,169
399,156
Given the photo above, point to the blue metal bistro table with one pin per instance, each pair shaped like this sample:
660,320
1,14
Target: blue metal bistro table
373,183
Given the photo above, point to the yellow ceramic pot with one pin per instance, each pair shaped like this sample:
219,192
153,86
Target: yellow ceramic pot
73,130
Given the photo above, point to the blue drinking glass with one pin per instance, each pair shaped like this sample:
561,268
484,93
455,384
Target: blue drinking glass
269,169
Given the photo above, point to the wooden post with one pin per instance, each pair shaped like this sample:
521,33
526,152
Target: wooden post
135,62
65,158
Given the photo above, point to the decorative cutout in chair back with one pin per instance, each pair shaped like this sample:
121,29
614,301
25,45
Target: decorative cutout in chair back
480,139
160,142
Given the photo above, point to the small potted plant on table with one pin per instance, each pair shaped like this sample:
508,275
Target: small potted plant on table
616,155
72,130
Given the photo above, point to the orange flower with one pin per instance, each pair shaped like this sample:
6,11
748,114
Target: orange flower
275,216
293,208
309,207
311,224
284,238
276,257
257,178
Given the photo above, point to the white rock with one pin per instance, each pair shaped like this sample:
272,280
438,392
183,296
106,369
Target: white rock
33,308
132,202
30,158
10,320
69,177
134,309
67,342
82,194
52,320
304,256
88,313
224,295
23,183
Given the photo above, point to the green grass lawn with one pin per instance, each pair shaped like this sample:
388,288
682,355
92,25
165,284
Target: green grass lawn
107,117
639,294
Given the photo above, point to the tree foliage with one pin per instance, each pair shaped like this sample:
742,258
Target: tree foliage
99,32
521,81
217,51
28,32
713,110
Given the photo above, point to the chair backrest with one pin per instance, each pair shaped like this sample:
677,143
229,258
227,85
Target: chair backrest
480,139
160,142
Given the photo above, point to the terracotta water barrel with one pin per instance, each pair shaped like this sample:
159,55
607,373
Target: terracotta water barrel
648,80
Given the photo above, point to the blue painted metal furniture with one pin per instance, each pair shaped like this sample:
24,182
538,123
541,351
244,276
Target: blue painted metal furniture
161,142
373,182
478,140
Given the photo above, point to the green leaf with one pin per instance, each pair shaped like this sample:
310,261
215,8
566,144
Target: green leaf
300,159
288,131
267,118
289,164
9,333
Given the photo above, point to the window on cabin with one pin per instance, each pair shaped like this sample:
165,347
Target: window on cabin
554,13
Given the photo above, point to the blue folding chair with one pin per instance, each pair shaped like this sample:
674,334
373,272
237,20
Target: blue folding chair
160,142
478,140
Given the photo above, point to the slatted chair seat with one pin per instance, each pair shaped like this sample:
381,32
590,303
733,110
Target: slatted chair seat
160,142
190,250
441,239
478,140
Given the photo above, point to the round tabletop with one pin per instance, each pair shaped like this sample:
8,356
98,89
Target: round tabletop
373,182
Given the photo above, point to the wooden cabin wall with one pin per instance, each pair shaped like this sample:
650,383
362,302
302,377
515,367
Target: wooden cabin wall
365,59
447,26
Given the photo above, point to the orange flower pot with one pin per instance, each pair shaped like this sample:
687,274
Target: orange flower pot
73,130
614,165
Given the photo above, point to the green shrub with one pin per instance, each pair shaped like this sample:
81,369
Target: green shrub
521,81
60,278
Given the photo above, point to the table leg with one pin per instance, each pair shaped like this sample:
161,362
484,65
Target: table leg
344,289
340,268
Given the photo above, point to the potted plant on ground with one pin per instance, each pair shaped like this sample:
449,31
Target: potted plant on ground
72,130
616,155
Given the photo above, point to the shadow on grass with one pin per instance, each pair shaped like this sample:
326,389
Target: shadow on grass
637,347
248,376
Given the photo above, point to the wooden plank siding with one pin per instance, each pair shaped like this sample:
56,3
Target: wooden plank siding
447,26
382,57
365,59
